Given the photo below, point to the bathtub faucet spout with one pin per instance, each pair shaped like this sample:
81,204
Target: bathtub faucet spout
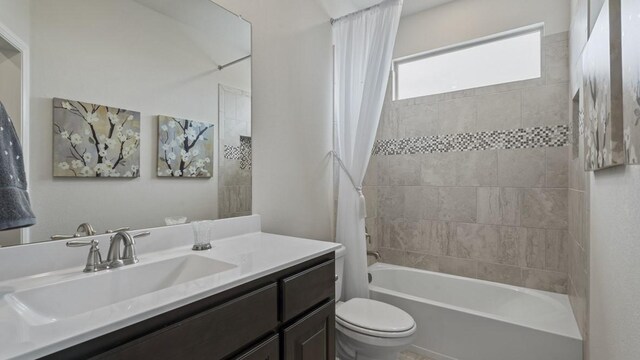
375,254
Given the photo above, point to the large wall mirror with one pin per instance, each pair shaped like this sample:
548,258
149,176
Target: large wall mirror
137,112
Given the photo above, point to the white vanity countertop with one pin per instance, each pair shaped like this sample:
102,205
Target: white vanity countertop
255,255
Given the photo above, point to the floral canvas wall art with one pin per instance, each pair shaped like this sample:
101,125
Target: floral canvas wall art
92,140
631,78
602,87
185,148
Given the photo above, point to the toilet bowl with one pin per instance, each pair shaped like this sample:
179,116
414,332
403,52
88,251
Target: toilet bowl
369,329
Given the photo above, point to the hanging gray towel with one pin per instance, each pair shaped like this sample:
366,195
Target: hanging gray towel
15,207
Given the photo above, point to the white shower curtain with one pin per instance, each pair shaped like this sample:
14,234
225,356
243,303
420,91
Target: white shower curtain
363,50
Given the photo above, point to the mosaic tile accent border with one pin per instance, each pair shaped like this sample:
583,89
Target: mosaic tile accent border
536,137
242,152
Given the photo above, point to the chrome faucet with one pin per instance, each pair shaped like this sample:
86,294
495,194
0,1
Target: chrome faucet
84,229
115,258
94,259
375,254
128,257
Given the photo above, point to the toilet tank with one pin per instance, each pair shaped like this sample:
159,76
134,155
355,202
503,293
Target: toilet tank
340,252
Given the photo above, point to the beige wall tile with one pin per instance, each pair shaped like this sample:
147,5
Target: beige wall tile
557,173
416,120
457,204
510,245
521,167
457,116
500,111
532,249
476,168
545,105
439,169
489,206
407,202
556,250
479,242
457,266
510,206
545,280
430,199
471,168
371,176
556,61
576,215
413,202
388,125
439,237
391,256
497,215
422,261
544,208
371,197
404,170
505,274
577,175
390,202
400,234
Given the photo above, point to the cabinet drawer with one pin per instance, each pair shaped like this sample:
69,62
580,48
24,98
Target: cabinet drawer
267,350
312,337
306,289
213,334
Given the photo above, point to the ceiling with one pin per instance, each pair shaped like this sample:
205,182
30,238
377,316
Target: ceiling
338,8
201,20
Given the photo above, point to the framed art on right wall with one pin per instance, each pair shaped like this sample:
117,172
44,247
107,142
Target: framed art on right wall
631,79
602,86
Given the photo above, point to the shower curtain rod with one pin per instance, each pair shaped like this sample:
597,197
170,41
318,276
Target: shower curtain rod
332,20
220,67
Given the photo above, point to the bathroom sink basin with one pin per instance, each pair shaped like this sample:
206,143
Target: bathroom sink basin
52,302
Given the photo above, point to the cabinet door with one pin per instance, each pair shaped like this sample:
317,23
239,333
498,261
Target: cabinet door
312,337
267,350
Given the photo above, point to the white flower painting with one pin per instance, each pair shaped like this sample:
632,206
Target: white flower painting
603,120
631,79
92,140
185,148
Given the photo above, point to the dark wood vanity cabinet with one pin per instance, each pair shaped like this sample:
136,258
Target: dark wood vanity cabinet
287,315
312,337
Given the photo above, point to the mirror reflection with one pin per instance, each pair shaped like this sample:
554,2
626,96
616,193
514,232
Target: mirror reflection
137,114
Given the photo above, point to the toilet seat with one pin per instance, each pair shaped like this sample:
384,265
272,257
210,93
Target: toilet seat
374,318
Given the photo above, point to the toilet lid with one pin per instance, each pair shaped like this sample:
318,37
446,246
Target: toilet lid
374,315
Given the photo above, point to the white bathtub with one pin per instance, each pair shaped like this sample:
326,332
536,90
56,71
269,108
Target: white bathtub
467,319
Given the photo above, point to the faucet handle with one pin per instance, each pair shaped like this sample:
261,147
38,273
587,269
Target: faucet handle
81,243
64,237
142,234
94,259
126,228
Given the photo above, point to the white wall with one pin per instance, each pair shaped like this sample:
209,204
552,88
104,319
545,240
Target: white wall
15,15
121,54
465,20
292,115
615,264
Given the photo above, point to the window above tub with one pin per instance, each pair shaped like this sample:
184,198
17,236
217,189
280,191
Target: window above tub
501,58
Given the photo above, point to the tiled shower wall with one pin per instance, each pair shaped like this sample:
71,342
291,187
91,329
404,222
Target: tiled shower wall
579,181
578,247
498,214
234,189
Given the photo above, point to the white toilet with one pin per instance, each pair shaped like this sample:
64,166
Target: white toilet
369,329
